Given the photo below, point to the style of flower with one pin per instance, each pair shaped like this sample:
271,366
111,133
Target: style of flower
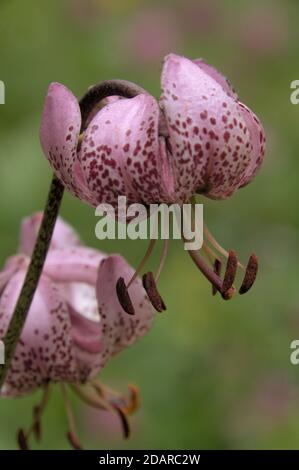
74,326
199,139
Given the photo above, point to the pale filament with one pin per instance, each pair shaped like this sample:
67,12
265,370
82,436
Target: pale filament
88,397
216,245
162,260
40,409
143,261
69,411
210,252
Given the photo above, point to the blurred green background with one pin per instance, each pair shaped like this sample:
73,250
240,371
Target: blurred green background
212,374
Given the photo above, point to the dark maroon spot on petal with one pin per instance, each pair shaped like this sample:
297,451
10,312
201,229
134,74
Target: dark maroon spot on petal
226,136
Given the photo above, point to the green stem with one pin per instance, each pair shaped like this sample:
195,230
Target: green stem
33,274
87,103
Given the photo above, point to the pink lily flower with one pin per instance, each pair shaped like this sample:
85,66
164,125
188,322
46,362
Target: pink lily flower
198,139
75,324
214,143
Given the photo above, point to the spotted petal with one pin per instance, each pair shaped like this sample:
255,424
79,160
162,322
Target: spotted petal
59,134
120,329
258,140
120,152
74,264
44,351
209,139
217,76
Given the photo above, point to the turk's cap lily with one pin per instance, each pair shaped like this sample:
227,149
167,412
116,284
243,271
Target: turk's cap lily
199,139
75,323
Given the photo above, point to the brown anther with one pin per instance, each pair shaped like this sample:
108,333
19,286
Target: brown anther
22,440
129,404
150,287
73,440
134,399
124,421
230,273
250,274
217,270
123,296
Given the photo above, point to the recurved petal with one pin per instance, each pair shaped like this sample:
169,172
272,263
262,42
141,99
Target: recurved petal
64,235
87,344
258,141
59,132
120,329
209,139
12,265
217,76
101,105
44,351
74,264
119,153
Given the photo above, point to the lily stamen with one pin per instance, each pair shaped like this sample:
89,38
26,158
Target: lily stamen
96,397
230,272
150,287
214,279
162,260
211,254
71,433
217,270
123,296
35,428
250,274
147,255
217,246
129,404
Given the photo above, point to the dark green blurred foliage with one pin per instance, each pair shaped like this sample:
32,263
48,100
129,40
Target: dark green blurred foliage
212,374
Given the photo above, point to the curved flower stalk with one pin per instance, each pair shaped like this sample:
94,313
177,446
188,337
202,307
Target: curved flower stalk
74,326
199,139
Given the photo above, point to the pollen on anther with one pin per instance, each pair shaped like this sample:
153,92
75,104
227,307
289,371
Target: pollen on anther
231,271
123,296
150,287
250,274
